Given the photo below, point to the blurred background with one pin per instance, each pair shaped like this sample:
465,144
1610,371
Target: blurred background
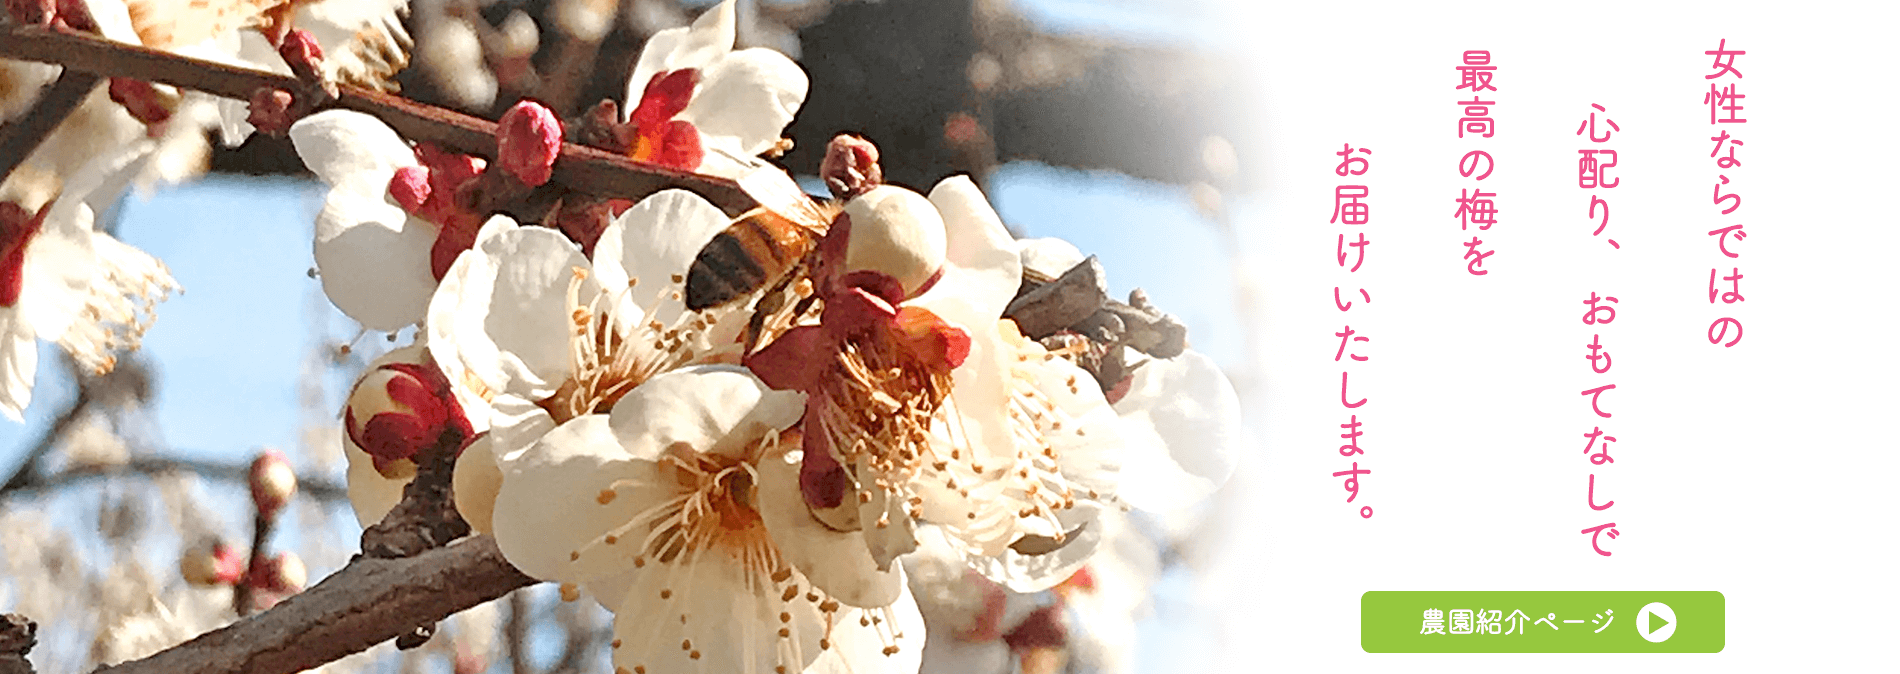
1124,126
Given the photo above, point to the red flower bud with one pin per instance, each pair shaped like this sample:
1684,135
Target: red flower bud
301,52
402,409
850,167
142,100
527,142
411,188
270,111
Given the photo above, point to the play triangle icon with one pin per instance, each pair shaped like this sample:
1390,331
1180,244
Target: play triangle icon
1656,622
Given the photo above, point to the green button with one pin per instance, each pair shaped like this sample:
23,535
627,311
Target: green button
1541,622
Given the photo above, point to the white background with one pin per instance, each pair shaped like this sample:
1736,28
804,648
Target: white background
1761,471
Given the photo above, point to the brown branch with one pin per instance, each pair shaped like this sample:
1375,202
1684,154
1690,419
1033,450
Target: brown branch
368,602
17,636
580,168
20,137
26,476
153,466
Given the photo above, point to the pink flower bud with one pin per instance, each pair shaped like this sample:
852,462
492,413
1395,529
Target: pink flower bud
850,167
301,52
448,171
145,102
410,188
270,111
528,141
272,482
401,410
211,565
283,573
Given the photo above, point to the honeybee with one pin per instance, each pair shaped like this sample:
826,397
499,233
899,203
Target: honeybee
763,247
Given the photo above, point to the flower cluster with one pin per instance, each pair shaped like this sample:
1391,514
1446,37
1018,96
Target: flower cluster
733,429
61,279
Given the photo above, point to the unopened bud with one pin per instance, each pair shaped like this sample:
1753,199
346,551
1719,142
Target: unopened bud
850,167
404,407
284,573
896,232
527,142
301,52
145,102
211,565
270,111
272,482
410,188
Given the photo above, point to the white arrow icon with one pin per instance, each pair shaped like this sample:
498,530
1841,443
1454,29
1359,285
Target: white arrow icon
1656,622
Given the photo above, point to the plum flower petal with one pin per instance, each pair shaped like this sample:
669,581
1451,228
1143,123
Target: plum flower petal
746,99
550,502
698,105
835,561
1186,413
64,282
654,243
373,256
697,46
372,494
501,313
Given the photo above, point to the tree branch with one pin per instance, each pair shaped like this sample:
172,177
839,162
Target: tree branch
327,491
580,168
366,603
26,477
20,137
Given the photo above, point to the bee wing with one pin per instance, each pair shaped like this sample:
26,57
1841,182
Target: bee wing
776,192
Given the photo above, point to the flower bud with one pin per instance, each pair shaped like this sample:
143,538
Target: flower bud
301,52
896,232
527,141
272,482
410,188
850,167
402,408
145,102
283,573
211,565
269,111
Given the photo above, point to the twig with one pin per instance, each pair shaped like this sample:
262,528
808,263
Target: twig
368,602
514,635
327,491
243,595
580,168
26,475
20,137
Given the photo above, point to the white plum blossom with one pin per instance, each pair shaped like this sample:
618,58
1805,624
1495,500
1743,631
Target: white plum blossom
671,510
1180,416
376,259
698,105
64,282
936,408
532,325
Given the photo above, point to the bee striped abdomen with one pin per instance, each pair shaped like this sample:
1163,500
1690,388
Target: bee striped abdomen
744,258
